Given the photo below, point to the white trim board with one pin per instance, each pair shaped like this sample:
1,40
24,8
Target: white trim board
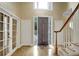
51,21
10,53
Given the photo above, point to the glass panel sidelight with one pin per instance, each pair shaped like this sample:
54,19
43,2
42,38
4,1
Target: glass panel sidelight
35,32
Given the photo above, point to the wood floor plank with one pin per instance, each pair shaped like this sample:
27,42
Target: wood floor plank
29,51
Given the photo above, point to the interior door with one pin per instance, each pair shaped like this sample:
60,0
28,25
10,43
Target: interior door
42,30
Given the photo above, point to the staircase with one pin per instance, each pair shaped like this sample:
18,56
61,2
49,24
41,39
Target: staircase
70,32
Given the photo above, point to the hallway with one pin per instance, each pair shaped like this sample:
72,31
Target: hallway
53,26
34,51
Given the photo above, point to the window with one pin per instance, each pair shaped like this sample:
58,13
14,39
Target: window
43,5
71,25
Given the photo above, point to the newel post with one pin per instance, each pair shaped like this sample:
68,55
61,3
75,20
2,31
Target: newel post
56,45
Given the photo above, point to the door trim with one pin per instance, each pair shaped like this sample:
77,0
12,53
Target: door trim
50,42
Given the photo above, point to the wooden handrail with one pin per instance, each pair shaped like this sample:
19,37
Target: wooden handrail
69,18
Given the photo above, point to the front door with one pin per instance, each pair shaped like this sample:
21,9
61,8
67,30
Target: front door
42,30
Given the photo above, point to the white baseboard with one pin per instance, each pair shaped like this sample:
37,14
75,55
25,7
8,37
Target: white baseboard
10,53
27,45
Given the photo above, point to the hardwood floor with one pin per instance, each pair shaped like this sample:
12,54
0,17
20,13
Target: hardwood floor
34,51
24,51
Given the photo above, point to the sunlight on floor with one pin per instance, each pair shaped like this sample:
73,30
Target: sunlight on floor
50,50
35,50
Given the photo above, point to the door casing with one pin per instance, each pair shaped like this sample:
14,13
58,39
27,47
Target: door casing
50,20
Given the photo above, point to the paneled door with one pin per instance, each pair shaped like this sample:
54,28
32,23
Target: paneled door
42,30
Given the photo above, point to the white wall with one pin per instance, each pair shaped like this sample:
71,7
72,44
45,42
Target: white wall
75,27
18,43
26,32
57,26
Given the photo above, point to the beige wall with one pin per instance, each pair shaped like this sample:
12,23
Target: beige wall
28,11
13,7
25,10
72,5
58,9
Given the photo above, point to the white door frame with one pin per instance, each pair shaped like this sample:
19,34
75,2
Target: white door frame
50,23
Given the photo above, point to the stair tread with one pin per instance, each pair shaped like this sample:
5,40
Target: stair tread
71,50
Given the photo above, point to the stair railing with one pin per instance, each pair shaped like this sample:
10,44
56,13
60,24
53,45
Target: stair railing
65,24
